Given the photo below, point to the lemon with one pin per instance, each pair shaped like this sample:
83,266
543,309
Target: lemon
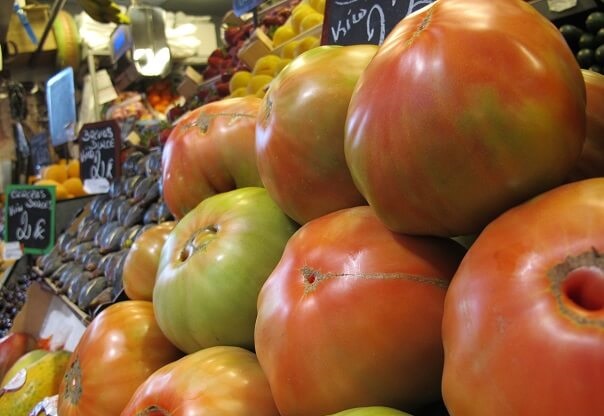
289,49
317,5
265,65
239,79
282,64
56,172
240,92
73,168
258,82
74,187
307,43
283,34
311,20
299,12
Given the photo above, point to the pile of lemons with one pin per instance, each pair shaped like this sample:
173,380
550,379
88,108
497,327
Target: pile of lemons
64,176
305,15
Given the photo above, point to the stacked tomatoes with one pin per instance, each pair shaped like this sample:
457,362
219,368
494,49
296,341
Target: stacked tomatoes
315,266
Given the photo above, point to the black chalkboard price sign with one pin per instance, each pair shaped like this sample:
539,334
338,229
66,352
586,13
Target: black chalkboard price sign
353,22
30,217
40,150
99,152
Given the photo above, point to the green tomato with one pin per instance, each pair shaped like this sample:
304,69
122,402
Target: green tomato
213,265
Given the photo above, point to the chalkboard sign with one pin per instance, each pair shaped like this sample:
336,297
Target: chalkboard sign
99,151
244,6
353,22
30,217
39,146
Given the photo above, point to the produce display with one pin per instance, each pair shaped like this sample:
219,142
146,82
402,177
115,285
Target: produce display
64,176
411,228
587,41
87,262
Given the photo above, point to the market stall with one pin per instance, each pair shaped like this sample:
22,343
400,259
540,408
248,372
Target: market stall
302,207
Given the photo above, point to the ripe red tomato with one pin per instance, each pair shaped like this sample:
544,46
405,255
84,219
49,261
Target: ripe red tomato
351,316
468,108
121,347
214,381
591,161
210,150
300,132
142,260
523,327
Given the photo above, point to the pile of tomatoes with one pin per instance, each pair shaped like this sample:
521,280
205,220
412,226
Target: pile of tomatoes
412,227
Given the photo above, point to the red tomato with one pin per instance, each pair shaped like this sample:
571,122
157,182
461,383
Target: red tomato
214,381
121,347
210,150
523,328
591,161
351,316
300,132
468,108
142,260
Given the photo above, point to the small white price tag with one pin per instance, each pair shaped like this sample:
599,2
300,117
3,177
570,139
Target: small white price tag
560,5
96,186
12,250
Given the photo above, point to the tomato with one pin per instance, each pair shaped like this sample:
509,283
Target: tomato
210,150
351,316
591,161
468,108
371,411
213,265
12,347
214,381
121,347
523,327
142,260
300,132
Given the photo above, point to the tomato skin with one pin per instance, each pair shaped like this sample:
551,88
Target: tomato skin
217,380
300,132
591,161
121,347
342,305
515,344
452,123
213,265
142,260
210,150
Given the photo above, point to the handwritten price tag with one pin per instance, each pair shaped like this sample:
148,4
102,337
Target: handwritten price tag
354,22
30,217
99,155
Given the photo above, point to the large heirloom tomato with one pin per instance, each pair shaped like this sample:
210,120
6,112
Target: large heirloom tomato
214,381
142,260
210,150
591,161
213,265
351,316
120,348
523,327
300,132
468,108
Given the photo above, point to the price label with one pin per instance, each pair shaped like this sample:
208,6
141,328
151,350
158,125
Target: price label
99,153
354,22
30,217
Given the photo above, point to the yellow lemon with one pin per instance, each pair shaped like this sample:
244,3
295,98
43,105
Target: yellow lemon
265,65
298,14
73,168
307,43
239,79
60,191
240,92
311,20
288,51
283,34
282,64
318,5
258,82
